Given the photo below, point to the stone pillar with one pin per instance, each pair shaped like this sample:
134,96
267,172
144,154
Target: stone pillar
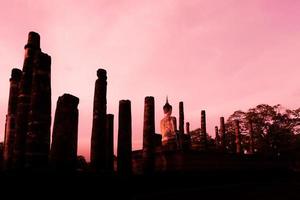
187,137
181,118
109,143
39,121
124,159
203,131
251,142
148,135
222,133
187,128
63,154
181,125
98,145
10,124
237,136
217,138
32,48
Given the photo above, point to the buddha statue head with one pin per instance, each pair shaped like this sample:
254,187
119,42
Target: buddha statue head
167,108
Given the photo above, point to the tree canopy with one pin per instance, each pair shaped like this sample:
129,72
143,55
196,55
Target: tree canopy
275,129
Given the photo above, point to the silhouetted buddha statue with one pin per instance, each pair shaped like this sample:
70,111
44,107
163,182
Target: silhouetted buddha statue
168,128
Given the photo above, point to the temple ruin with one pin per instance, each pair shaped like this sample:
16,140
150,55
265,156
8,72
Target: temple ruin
28,121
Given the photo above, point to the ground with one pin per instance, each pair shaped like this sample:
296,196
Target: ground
254,184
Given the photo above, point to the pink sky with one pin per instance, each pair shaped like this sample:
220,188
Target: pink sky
220,56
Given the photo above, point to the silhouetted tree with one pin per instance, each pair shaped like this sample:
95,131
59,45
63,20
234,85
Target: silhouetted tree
274,128
230,134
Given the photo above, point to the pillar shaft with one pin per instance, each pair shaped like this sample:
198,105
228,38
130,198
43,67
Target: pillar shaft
148,135
98,145
10,125
124,138
39,121
181,118
251,142
181,125
32,48
109,141
203,131
222,132
63,154
187,128
237,137
217,137
175,124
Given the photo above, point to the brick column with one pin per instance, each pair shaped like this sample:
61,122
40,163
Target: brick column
39,119
124,159
32,49
10,124
98,145
148,135
63,155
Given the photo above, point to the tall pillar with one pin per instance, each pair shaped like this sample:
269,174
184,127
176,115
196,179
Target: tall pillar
251,142
63,154
109,141
237,136
217,138
222,133
10,124
148,135
32,48
203,131
39,121
98,145
124,139
181,125
181,118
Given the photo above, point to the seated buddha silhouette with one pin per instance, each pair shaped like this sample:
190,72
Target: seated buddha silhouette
168,128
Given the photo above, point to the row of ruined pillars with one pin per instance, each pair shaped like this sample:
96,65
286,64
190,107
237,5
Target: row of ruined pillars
220,137
28,121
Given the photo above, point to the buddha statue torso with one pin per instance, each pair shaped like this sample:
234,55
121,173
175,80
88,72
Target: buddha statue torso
168,128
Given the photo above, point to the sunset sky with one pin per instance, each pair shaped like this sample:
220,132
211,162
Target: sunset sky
216,55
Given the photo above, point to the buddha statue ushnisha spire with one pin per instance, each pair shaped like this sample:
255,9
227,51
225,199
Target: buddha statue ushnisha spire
167,107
